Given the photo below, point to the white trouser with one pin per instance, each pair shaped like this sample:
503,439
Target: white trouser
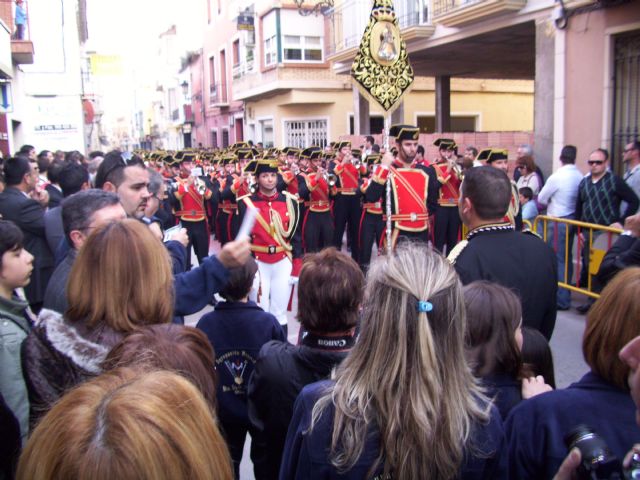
274,288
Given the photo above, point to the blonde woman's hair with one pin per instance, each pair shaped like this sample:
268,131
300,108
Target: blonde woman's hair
128,426
407,376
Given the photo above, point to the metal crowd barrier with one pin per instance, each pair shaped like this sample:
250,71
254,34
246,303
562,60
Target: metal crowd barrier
581,232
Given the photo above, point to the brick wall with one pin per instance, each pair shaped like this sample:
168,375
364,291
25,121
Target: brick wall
479,140
6,13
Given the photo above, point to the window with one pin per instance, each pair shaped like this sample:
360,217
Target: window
626,99
270,57
266,133
305,133
427,123
225,137
376,124
214,139
298,48
236,52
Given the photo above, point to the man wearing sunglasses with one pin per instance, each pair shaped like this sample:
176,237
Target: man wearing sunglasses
631,160
600,194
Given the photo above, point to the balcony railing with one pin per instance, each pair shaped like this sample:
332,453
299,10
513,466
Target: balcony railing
243,68
349,19
459,12
218,94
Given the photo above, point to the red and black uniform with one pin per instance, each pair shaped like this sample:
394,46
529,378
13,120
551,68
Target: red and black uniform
371,226
447,219
193,215
213,184
234,189
413,198
276,246
317,225
226,209
346,205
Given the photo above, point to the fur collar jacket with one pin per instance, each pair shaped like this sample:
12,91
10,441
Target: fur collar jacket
58,355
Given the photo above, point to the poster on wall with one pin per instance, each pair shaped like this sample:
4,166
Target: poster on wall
57,123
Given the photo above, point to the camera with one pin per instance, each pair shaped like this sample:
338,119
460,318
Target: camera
598,462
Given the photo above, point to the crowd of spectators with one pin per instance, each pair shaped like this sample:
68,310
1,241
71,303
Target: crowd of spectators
426,367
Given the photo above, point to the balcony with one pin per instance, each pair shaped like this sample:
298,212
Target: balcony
243,68
22,52
454,13
218,96
348,20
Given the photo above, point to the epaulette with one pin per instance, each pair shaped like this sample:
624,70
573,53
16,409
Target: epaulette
456,251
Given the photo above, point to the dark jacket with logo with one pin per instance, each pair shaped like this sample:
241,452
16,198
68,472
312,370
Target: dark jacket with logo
237,331
282,370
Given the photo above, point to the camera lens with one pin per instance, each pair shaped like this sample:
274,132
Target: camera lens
597,460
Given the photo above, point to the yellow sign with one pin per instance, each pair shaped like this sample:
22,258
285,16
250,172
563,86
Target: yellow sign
106,64
381,68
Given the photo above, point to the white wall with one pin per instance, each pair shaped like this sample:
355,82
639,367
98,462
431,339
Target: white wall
48,102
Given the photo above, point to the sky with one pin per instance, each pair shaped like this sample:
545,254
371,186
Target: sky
130,29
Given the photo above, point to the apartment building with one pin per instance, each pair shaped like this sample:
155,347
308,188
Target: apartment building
271,75
582,57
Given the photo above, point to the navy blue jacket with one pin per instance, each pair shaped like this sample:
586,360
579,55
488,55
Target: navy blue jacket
237,331
306,453
505,391
536,427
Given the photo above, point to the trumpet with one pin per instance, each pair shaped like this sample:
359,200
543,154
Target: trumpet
330,178
200,186
252,184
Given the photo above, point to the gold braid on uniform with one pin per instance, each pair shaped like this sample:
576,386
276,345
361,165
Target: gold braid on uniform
281,234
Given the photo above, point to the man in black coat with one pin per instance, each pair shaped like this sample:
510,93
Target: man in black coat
25,206
494,251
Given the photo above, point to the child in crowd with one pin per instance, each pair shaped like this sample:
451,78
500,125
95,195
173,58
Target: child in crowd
16,265
529,207
494,344
237,329
537,356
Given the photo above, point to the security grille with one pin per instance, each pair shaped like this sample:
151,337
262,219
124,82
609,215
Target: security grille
626,104
305,133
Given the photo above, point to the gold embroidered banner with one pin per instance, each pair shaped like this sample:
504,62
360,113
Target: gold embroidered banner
381,68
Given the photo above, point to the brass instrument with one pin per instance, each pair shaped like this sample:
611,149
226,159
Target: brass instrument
200,186
330,178
253,185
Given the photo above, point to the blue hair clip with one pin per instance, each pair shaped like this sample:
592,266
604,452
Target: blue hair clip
425,306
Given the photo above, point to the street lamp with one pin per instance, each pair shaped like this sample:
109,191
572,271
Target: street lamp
185,88
316,7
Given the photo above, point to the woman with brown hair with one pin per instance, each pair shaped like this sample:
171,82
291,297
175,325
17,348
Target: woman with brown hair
494,343
528,175
120,281
177,348
404,403
600,399
330,292
126,425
